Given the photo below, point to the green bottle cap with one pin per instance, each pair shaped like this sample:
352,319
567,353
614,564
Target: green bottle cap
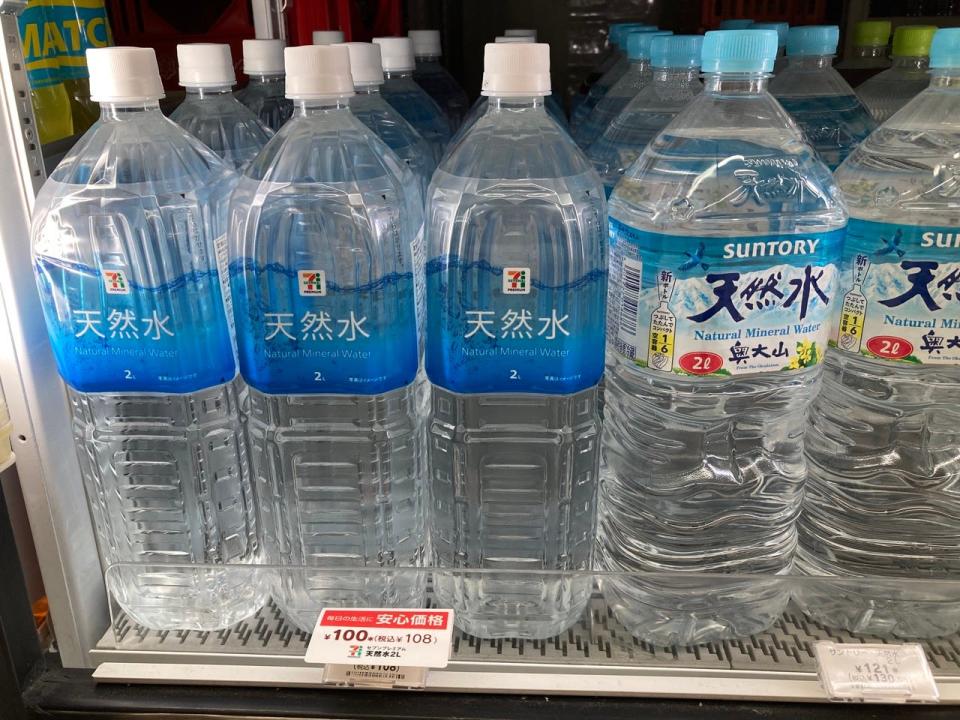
871,33
913,40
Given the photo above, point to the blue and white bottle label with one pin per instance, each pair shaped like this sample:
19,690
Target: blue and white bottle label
900,293
501,329
709,306
300,332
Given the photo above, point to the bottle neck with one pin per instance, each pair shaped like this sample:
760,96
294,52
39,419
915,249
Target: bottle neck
321,106
367,89
810,62
428,59
394,74
866,52
945,79
119,112
639,64
209,91
515,104
735,83
266,78
911,62
675,75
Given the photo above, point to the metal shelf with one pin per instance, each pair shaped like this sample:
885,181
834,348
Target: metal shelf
596,656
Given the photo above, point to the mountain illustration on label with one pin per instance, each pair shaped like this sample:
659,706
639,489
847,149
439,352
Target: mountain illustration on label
663,325
853,313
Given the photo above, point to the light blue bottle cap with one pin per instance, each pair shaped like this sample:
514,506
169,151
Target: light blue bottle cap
638,42
741,24
619,37
945,49
739,51
782,29
813,40
675,51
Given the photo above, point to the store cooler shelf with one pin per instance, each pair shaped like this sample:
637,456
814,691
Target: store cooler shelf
596,656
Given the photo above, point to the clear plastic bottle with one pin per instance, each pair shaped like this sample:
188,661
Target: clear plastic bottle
674,82
127,243
386,123
409,99
818,98
210,112
783,29
325,261
725,235
435,78
266,93
871,44
883,490
635,79
617,70
516,280
890,90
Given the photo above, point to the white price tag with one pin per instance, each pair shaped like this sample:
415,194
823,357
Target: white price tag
375,675
875,673
366,636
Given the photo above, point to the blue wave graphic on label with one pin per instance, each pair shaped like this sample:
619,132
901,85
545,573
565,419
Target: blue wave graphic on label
499,329
709,306
900,293
299,333
55,36
112,334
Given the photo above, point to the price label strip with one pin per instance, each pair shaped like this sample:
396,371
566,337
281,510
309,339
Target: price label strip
875,673
381,647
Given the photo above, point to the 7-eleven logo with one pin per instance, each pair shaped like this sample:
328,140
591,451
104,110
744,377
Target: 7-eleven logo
115,282
312,283
516,281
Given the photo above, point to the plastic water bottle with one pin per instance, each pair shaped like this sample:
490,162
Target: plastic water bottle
325,243
636,78
327,37
883,497
675,81
516,280
210,112
435,78
128,234
529,33
818,98
480,106
265,94
890,90
620,66
409,99
386,123
725,235
782,29
871,43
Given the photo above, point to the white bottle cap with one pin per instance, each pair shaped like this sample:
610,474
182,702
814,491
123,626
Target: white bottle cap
205,65
263,57
521,32
317,71
396,53
365,63
511,39
516,69
425,42
123,75
327,37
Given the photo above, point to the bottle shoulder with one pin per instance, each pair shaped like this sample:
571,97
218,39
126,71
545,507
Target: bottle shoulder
800,81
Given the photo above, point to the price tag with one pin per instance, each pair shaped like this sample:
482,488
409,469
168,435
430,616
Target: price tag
375,675
875,673
371,636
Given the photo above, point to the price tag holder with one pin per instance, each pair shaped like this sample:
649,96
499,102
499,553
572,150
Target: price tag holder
875,673
383,647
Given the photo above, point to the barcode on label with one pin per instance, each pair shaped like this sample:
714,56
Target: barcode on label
631,276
